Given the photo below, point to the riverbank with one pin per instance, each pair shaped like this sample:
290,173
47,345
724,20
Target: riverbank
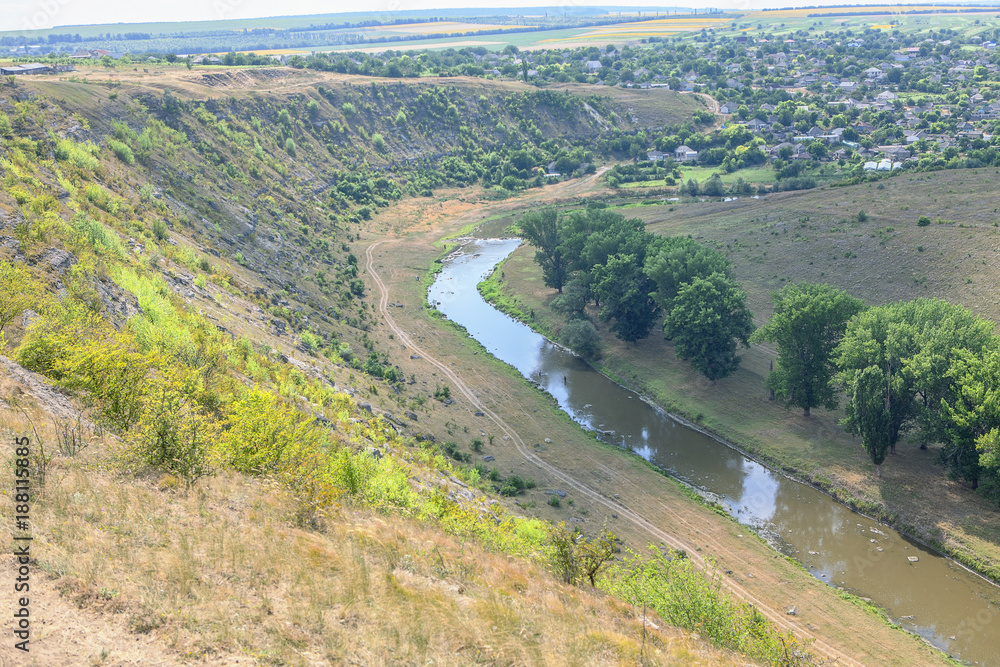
774,583
914,495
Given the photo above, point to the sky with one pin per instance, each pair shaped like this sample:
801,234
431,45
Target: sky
45,14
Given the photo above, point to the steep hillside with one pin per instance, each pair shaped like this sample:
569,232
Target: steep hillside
189,334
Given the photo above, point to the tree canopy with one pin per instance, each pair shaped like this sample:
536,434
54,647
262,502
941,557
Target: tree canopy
709,316
807,325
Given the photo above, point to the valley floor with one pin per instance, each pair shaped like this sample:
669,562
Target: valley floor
601,480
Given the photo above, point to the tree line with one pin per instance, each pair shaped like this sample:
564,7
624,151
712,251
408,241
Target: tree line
637,279
924,369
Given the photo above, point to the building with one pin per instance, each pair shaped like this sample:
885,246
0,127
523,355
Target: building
32,68
685,154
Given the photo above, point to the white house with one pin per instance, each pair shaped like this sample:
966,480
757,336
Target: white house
685,154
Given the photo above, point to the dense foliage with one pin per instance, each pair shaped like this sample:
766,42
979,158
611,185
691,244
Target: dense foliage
632,276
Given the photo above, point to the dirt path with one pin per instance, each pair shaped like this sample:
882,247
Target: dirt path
778,617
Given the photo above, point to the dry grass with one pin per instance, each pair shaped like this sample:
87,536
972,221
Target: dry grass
220,572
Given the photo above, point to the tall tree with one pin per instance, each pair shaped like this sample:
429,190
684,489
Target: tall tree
623,290
871,412
709,316
541,229
944,331
808,323
884,338
913,343
676,262
972,418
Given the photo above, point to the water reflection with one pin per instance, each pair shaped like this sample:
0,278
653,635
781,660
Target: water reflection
931,596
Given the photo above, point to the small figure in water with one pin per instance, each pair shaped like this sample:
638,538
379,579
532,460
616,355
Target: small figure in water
564,379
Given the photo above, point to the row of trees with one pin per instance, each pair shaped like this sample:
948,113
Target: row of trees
926,368
635,278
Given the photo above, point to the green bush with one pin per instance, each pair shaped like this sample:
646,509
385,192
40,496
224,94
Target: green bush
923,221
172,435
684,596
290,145
122,151
159,229
378,141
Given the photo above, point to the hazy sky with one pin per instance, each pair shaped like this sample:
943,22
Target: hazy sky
43,14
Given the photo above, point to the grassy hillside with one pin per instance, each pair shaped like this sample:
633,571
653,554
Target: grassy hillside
180,275
882,256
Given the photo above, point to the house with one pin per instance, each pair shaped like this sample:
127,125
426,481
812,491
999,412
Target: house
593,65
729,108
33,68
685,153
874,73
756,125
895,152
886,96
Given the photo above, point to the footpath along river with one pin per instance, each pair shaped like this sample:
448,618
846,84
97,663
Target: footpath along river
922,590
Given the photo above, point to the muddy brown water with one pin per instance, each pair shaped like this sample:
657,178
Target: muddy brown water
935,597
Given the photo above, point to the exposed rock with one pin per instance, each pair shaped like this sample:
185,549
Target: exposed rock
118,304
60,260
412,416
27,317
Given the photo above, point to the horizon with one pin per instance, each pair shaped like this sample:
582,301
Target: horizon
46,15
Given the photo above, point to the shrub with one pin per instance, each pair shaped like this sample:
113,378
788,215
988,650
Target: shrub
581,336
260,430
172,435
290,145
575,556
378,141
159,229
312,108
122,151
310,341
348,110
401,118
685,597
923,221
18,291
451,449
81,352
514,485
554,501
442,393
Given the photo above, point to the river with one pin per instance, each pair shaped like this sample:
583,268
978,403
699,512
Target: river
932,595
